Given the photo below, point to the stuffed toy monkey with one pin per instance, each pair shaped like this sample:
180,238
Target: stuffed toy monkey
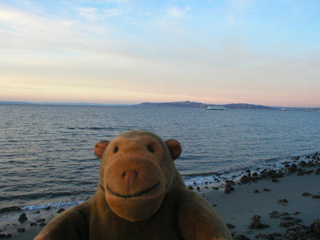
140,196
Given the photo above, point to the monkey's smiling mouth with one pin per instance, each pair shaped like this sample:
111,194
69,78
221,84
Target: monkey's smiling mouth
136,194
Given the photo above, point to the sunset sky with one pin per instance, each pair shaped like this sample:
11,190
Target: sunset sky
123,51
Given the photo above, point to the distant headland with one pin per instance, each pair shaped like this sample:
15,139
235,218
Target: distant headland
182,104
188,104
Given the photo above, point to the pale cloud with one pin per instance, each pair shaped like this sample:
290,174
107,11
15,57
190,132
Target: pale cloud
114,12
88,12
176,12
24,30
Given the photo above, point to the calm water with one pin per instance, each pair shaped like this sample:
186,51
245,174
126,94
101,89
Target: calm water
47,155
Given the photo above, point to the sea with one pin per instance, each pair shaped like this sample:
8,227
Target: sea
47,159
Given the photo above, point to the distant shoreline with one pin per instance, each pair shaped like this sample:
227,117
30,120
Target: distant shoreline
183,104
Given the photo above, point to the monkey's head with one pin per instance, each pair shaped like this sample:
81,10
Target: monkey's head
136,172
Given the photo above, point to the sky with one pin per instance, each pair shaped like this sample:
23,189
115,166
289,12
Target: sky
125,52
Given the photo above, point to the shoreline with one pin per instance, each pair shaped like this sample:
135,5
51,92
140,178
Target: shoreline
277,198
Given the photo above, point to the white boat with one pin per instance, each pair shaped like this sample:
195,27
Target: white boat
216,108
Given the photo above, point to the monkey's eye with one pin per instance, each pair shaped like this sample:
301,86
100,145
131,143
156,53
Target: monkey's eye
150,148
116,149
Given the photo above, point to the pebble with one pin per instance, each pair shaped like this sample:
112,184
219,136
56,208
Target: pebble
262,236
241,237
230,226
21,230
41,220
62,209
283,201
228,188
305,194
23,218
274,214
256,224
3,235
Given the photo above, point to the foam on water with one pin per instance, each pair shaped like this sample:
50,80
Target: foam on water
53,205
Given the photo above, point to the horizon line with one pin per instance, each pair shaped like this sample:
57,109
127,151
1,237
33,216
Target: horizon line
116,104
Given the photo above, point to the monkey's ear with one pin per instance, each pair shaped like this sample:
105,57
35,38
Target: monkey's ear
174,148
100,147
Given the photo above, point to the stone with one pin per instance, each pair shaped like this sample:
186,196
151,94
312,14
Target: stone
41,220
293,222
262,236
240,237
256,224
232,183
266,190
287,218
274,214
316,196
296,231
284,214
228,188
244,179
21,230
286,224
283,201
9,235
256,191
22,218
255,217
315,226
62,209
300,172
293,168
305,194
312,236
303,164
277,234
230,226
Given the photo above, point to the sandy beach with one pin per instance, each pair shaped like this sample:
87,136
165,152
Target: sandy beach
257,206
280,203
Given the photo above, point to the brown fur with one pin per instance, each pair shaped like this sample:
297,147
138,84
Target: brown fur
140,196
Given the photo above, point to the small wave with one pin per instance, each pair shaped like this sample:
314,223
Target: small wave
10,209
53,205
206,174
93,128
45,195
